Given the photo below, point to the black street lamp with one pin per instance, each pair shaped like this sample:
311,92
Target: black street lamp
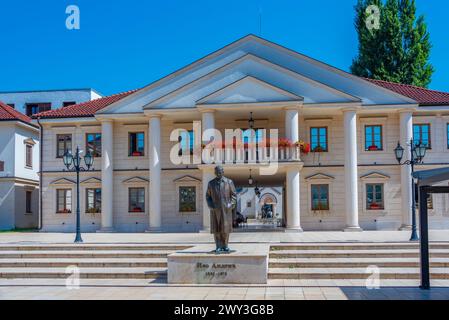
73,163
417,154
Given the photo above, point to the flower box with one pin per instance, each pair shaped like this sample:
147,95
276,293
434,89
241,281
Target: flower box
375,206
136,210
65,211
318,149
373,148
136,154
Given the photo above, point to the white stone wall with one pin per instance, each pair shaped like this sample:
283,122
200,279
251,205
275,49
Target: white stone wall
16,176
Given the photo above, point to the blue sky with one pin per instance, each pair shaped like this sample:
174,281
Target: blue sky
127,44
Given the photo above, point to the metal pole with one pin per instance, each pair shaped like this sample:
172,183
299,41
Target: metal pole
424,232
78,238
414,236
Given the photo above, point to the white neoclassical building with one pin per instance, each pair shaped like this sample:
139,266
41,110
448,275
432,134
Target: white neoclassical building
350,181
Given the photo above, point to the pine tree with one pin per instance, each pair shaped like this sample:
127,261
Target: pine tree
399,49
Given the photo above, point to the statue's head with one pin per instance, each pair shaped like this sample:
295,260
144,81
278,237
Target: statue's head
219,172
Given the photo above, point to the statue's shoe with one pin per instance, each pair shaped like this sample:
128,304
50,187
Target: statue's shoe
226,249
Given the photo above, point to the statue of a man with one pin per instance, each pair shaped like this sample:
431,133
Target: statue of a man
222,199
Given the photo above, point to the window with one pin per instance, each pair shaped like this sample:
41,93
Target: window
320,197
64,201
184,138
12,105
33,108
93,200
447,135
64,143
29,156
29,198
93,144
136,199
421,134
187,199
2,166
430,201
136,144
68,103
373,138
249,204
318,139
375,197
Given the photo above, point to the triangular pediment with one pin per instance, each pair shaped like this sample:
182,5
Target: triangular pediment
249,90
62,182
136,180
374,175
291,62
187,179
247,67
319,176
92,181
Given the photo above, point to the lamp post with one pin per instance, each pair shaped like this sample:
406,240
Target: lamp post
417,154
73,163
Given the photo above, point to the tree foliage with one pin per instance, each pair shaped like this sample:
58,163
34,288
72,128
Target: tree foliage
397,48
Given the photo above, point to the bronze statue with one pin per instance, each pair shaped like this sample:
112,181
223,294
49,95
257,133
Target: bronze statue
222,199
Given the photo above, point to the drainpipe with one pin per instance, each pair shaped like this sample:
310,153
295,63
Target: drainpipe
41,138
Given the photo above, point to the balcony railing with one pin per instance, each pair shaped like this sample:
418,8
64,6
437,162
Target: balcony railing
237,155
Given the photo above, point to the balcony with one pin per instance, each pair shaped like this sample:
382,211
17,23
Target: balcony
281,151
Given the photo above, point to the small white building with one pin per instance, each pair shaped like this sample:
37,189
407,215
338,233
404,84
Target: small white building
19,166
32,102
250,204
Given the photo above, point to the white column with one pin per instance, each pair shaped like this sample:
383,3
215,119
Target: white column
292,124
293,199
107,176
155,173
208,175
406,135
351,171
293,184
208,123
208,120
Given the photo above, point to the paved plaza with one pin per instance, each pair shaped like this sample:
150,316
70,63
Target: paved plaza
155,289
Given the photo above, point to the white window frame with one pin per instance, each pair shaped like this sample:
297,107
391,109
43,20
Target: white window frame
187,181
321,179
374,121
376,178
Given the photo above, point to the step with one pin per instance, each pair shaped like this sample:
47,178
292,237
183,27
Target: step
84,254
86,273
354,262
353,273
405,253
90,247
355,246
84,263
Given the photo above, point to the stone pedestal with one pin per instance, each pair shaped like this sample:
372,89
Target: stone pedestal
198,265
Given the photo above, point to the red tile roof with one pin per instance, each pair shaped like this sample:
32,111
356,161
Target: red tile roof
85,109
425,97
10,114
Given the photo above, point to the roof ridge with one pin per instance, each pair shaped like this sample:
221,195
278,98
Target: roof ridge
97,104
406,85
14,113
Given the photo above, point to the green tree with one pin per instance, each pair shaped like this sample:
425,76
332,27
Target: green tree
394,45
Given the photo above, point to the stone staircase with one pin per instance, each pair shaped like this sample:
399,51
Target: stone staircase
351,260
95,261
286,261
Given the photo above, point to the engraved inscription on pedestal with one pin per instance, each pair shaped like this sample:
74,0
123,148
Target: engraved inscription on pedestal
196,267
